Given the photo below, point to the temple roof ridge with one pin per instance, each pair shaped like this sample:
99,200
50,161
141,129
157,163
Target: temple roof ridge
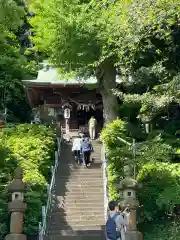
50,75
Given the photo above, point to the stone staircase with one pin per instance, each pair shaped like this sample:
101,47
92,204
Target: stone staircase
78,210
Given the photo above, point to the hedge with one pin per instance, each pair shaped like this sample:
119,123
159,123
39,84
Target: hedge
31,147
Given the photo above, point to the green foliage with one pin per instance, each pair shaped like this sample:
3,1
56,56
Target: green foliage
117,154
141,40
162,230
14,67
160,189
157,173
31,147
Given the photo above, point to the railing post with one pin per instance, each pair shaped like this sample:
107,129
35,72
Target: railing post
43,212
40,230
56,159
105,180
52,169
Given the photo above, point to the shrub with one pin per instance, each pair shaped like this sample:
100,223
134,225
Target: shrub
162,230
31,147
116,152
160,177
161,189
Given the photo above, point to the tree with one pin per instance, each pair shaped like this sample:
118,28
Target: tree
148,38
74,34
13,65
149,64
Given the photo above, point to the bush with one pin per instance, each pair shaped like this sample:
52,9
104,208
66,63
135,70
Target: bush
116,152
161,189
160,177
162,230
31,147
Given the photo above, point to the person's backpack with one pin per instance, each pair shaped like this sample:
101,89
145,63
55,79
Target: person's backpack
111,231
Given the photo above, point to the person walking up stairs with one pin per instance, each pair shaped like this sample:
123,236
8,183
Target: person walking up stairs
78,210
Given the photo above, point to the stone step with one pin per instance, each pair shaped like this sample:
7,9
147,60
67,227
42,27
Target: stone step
82,188
97,151
78,180
84,184
80,207
98,232
76,167
79,176
77,212
85,237
75,224
84,228
80,195
77,189
92,170
71,201
76,218
81,183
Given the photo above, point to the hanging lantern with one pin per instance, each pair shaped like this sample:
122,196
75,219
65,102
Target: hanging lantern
67,113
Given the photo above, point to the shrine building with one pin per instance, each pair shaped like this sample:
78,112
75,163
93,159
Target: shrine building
48,94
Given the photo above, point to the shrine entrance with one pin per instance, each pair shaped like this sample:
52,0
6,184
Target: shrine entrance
84,116
81,114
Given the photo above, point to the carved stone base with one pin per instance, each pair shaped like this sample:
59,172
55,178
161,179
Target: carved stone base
133,235
16,237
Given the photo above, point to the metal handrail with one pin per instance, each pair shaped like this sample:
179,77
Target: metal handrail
45,209
105,180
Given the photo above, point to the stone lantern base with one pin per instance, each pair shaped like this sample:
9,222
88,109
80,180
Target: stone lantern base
133,235
16,236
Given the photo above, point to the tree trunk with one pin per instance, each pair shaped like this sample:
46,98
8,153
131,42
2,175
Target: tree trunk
107,82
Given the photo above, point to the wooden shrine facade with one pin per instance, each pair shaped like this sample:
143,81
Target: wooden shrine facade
50,99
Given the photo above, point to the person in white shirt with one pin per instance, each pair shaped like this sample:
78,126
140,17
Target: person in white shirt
121,220
76,148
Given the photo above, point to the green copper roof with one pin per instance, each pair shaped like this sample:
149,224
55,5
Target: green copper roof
51,76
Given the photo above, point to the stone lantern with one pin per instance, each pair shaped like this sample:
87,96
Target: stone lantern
16,207
128,187
1,124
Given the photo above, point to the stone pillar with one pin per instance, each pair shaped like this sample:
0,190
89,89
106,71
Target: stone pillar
16,207
128,186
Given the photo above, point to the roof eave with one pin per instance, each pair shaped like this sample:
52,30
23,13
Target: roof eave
49,84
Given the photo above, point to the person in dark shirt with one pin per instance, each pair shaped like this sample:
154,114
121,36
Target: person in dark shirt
86,148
